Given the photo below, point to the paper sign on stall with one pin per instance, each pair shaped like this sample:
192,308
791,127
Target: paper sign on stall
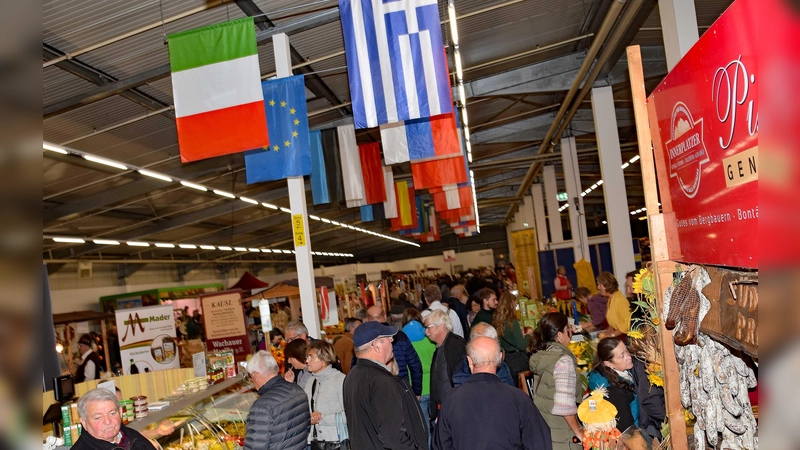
199,364
223,319
147,339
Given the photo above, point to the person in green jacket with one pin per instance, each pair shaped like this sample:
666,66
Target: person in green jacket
510,335
488,304
557,390
413,328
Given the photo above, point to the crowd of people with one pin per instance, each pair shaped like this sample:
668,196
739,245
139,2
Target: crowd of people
444,375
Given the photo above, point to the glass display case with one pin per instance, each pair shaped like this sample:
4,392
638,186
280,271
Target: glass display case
211,419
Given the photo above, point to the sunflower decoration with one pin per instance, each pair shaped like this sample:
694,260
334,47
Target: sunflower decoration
643,337
600,419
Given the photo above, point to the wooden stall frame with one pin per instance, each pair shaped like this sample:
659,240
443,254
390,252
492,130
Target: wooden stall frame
660,243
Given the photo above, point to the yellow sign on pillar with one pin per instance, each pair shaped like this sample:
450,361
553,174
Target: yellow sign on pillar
299,231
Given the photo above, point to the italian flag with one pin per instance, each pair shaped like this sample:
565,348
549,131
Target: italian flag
216,84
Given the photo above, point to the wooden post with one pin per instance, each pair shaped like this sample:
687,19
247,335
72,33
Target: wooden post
69,347
105,345
662,267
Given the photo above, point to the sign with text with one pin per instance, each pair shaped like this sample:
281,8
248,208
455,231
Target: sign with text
299,230
704,126
147,339
224,323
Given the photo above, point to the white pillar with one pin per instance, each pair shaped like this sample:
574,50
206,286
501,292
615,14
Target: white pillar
577,215
527,212
539,216
551,199
614,191
297,203
678,27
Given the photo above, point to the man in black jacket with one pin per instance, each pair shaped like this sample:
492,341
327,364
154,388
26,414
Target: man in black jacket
451,349
101,419
279,419
381,410
486,414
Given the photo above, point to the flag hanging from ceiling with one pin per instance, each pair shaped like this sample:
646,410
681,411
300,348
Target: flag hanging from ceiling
420,139
366,213
372,171
439,172
405,200
352,177
390,205
395,60
330,151
319,176
289,154
216,84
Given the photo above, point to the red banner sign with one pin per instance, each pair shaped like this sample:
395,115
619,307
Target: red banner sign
704,125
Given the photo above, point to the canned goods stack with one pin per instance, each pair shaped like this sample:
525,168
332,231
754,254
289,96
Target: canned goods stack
139,406
127,411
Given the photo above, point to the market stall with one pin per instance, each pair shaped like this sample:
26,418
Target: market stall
67,323
702,121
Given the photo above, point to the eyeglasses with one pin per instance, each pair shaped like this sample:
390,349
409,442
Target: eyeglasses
432,325
311,356
290,339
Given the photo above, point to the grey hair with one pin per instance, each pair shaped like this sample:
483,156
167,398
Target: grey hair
457,290
297,327
439,317
263,362
96,395
432,293
483,329
349,323
362,348
482,357
361,314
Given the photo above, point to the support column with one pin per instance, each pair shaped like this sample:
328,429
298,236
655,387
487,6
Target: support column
577,215
527,212
614,191
297,203
551,199
679,28
539,216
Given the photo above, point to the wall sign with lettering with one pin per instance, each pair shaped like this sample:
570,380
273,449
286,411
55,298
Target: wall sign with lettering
224,323
704,126
147,339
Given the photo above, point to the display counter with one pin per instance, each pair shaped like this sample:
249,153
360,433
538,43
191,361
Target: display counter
211,419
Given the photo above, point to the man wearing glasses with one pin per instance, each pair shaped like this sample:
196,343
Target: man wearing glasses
381,410
451,349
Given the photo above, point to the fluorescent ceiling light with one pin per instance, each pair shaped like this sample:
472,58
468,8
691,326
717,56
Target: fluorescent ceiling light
194,186
286,210
240,249
53,148
311,216
248,200
287,251
269,205
208,247
156,175
164,245
254,250
224,194
69,240
225,248
105,242
105,162
138,244
326,220
187,246
266,250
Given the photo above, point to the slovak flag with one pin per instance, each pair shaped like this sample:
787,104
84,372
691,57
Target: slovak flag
395,60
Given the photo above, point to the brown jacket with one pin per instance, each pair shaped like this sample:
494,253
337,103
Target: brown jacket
344,351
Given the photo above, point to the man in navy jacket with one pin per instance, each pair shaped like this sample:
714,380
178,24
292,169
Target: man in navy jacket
486,414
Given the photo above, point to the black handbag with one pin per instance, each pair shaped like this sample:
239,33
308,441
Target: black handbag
324,445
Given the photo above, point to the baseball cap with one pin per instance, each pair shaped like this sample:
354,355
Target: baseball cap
369,331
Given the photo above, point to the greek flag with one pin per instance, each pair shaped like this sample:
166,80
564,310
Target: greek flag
395,60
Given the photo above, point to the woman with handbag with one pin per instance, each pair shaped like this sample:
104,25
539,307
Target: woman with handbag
509,333
324,392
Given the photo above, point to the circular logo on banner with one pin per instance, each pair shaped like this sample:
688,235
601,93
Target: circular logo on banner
686,150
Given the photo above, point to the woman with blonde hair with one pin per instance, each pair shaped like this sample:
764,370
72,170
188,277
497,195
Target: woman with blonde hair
325,397
510,335
618,313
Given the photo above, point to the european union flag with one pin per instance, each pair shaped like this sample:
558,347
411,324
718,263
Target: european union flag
288,154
